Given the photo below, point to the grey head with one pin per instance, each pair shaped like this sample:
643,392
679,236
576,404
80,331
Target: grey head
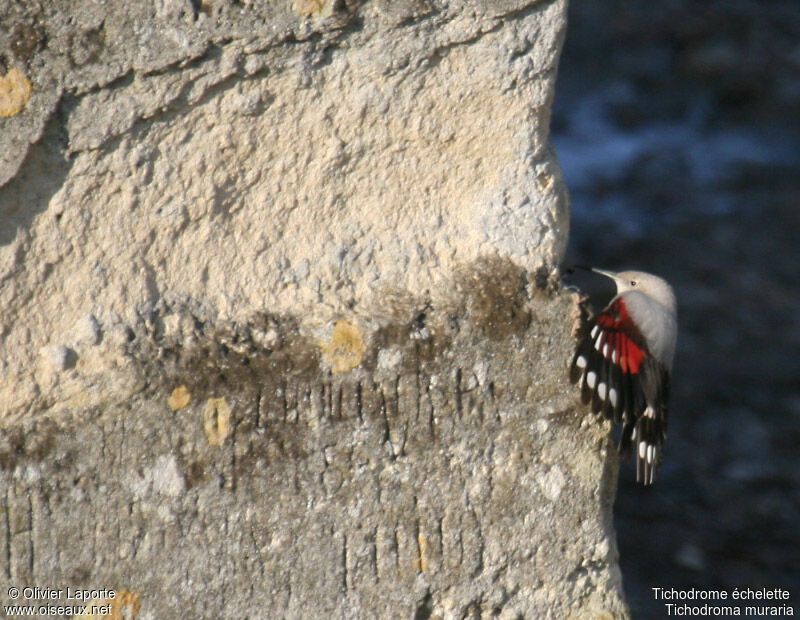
654,287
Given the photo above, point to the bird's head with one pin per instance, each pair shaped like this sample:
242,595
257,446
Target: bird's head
647,283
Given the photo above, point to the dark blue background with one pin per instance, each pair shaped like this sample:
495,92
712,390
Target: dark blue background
677,125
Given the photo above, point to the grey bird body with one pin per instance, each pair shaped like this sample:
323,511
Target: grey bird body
624,361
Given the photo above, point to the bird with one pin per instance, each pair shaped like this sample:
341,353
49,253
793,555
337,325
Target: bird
623,363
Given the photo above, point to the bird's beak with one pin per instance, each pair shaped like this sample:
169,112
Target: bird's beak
603,272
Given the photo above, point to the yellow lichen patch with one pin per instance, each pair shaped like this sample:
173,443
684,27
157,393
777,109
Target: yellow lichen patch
124,606
345,349
422,563
307,8
545,182
15,90
180,397
217,421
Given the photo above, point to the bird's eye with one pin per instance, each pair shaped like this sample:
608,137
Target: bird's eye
633,282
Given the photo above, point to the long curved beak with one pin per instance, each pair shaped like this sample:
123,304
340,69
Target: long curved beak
603,272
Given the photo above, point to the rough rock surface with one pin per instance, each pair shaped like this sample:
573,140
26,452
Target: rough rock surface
450,475
238,162
279,309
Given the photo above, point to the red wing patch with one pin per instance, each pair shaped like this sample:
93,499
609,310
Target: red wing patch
620,379
625,344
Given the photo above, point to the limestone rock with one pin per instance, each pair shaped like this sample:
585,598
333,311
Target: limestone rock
239,159
279,306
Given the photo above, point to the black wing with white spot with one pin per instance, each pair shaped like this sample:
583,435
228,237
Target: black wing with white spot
621,380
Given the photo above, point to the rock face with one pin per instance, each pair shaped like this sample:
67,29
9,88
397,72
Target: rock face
281,328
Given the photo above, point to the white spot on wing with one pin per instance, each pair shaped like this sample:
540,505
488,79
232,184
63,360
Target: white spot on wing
601,390
651,453
650,413
614,356
612,396
591,378
642,449
595,329
580,362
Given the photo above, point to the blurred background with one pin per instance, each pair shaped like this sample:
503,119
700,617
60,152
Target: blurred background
677,125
